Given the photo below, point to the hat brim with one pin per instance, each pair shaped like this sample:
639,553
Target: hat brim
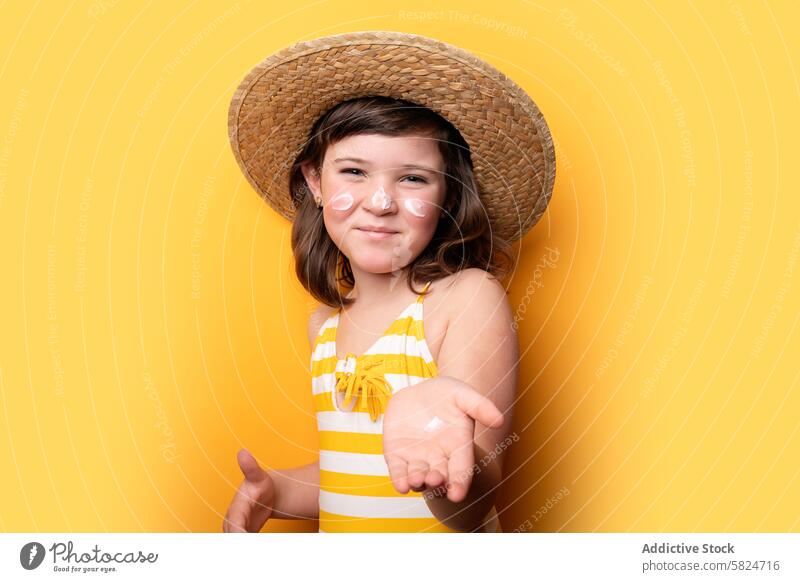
275,106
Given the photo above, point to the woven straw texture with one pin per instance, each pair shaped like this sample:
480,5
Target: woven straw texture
277,103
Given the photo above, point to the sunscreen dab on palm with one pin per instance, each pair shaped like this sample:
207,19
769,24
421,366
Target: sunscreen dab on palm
434,425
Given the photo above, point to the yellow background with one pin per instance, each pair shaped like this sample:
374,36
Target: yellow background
152,324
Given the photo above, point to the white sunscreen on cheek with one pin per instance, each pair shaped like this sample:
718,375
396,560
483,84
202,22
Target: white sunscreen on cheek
415,206
343,201
381,199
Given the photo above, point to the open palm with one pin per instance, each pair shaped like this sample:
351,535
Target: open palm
442,455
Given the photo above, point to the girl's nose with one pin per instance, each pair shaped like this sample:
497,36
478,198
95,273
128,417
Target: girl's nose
381,201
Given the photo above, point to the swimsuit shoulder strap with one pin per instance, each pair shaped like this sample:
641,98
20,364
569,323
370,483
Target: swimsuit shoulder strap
425,288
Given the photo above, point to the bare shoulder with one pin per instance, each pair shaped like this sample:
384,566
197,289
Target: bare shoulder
318,316
473,289
473,293
474,277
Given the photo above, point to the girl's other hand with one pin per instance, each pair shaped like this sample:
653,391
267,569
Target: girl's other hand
252,504
419,459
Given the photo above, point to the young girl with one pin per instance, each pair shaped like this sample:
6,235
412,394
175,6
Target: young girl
413,406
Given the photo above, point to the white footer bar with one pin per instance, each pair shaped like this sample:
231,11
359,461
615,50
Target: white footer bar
352,557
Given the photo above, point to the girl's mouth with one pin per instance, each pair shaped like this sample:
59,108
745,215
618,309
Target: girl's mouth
376,235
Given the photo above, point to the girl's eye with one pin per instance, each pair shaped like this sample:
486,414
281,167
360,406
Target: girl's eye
414,178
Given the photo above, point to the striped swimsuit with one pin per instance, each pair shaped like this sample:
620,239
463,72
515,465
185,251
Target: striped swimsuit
356,493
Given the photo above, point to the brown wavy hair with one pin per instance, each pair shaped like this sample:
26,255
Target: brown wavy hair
462,241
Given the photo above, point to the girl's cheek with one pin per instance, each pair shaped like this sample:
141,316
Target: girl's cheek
342,202
417,207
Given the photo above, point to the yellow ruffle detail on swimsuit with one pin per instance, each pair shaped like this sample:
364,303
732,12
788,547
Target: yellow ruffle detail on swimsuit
367,384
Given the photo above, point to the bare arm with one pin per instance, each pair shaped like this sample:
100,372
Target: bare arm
480,349
297,489
296,492
275,493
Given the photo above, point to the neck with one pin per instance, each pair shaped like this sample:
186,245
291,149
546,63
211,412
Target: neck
371,287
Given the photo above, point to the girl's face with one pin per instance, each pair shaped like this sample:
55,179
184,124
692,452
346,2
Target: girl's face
371,181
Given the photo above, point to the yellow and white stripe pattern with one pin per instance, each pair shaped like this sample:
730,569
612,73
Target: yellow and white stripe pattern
356,492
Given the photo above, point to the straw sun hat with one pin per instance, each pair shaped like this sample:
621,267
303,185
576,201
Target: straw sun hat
275,106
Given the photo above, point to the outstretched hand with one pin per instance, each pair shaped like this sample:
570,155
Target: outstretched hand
428,432
252,504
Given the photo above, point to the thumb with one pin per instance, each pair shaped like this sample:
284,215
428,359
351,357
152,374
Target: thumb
479,407
249,466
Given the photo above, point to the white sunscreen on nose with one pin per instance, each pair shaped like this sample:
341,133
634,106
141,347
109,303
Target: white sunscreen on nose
415,206
381,199
343,201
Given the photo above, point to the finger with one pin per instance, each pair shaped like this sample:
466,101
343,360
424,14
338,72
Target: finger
236,522
459,466
398,472
437,475
479,407
417,469
231,527
249,466
239,510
